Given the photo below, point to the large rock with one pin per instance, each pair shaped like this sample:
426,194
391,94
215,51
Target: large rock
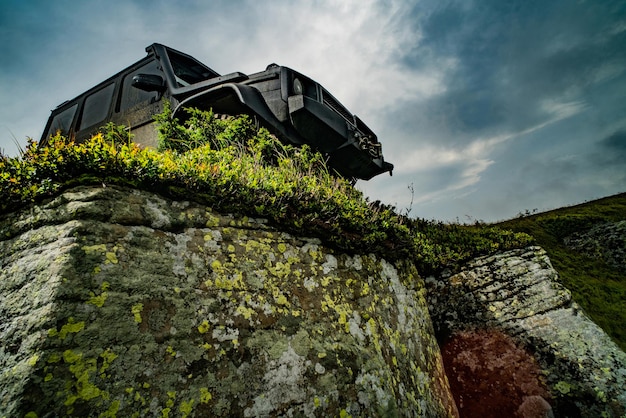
118,302
518,294
605,241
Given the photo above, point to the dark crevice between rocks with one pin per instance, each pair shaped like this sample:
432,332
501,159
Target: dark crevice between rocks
491,375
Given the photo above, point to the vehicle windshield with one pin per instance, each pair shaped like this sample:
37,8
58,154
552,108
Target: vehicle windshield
189,71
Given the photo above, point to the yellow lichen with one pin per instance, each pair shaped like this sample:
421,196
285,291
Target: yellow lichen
170,401
112,411
98,248
280,270
33,360
223,283
217,267
281,299
70,327
212,221
82,369
98,300
205,395
245,311
186,408
108,356
203,328
136,309
365,290
111,258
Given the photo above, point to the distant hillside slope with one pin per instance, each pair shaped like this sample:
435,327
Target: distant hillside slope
587,246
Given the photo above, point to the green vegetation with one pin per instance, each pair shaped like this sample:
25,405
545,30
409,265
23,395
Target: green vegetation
233,167
598,287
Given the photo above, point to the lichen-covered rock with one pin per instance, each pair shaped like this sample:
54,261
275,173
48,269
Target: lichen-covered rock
518,293
605,241
117,302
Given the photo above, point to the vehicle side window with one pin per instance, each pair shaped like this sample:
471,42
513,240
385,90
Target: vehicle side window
188,70
97,106
132,96
62,121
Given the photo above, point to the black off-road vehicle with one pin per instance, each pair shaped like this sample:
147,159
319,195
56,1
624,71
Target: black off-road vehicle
290,105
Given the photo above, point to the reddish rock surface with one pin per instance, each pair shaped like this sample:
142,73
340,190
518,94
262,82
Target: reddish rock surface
490,376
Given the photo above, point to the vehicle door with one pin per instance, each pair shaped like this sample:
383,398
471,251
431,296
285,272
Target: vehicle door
136,107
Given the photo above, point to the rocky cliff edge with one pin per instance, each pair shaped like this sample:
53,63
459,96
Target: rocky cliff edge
117,302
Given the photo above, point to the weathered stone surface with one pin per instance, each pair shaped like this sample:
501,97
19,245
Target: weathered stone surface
518,293
606,241
116,302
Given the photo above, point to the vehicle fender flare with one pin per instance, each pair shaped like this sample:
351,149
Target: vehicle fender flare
233,99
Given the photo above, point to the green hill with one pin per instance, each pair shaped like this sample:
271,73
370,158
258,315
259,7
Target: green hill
597,284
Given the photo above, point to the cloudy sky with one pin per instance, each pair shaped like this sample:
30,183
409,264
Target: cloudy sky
487,108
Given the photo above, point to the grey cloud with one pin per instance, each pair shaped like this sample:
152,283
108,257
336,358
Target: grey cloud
511,57
611,152
616,142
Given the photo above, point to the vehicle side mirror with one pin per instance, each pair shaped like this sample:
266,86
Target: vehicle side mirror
149,82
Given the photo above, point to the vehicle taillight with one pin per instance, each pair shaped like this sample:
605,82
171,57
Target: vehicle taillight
302,85
297,86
